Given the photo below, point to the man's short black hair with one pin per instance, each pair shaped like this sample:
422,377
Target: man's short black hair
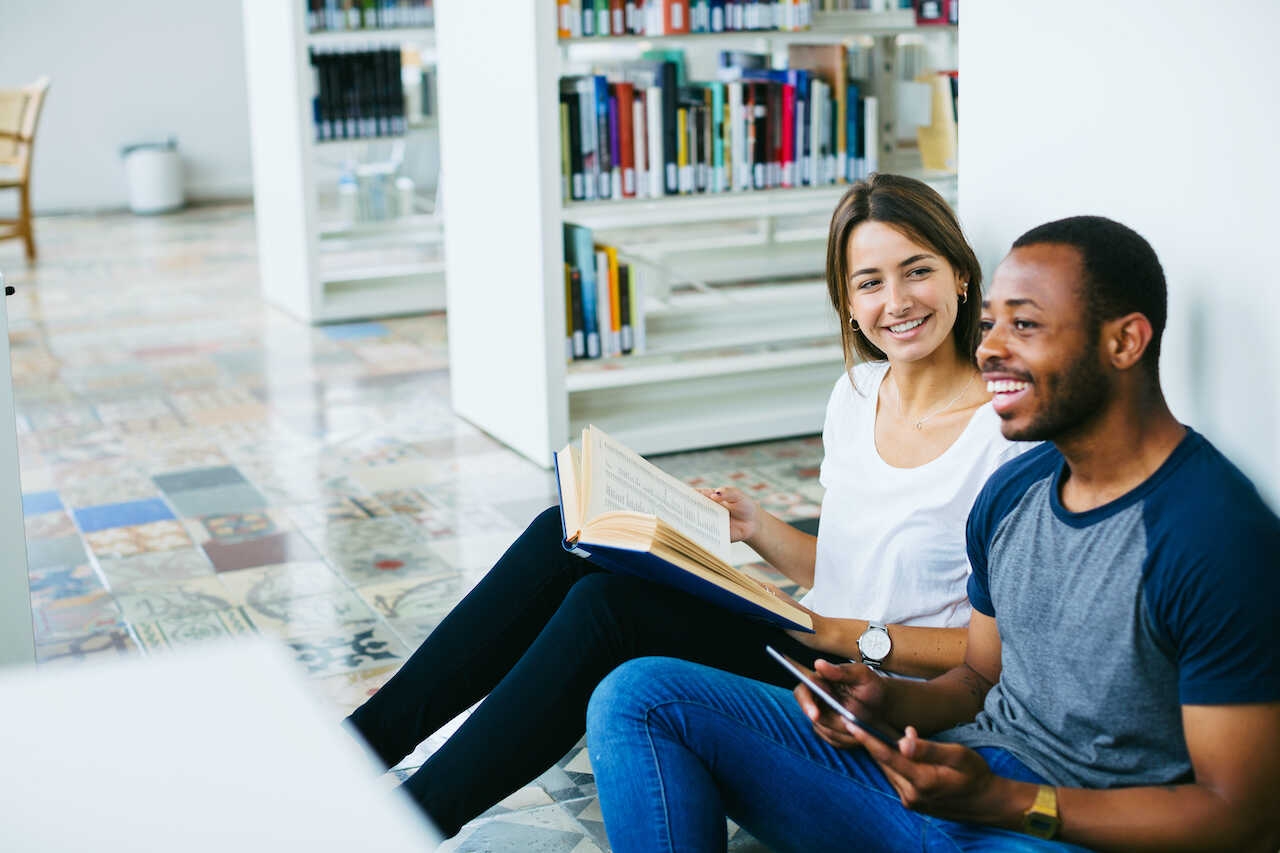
1121,273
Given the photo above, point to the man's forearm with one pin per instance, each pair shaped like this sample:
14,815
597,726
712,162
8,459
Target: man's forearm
950,699
1171,818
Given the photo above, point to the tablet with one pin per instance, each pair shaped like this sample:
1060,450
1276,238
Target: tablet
809,679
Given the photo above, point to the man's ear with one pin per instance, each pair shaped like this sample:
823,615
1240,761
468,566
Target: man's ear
1126,339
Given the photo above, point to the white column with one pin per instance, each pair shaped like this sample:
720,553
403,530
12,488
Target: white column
17,641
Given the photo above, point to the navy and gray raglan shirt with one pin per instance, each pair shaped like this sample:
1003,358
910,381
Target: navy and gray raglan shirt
1112,619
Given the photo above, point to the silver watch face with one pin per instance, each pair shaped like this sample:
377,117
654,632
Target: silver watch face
875,644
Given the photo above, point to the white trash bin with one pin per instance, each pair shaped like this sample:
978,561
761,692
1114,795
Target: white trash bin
154,173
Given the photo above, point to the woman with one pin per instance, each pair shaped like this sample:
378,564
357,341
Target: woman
906,451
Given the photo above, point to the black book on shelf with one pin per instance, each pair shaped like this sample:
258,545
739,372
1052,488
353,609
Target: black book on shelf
670,129
624,308
396,89
743,59
577,178
579,325
760,122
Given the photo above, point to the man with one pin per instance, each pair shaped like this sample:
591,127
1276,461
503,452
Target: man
1121,688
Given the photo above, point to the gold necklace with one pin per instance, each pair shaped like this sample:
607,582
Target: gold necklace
947,405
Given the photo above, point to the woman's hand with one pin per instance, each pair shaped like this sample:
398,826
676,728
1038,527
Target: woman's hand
855,686
744,513
824,629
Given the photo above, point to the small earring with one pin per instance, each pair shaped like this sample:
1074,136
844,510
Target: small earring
854,323
964,295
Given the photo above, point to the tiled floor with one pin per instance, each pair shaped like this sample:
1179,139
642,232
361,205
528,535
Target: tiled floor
197,465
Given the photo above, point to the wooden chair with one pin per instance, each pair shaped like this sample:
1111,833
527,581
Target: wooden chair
19,115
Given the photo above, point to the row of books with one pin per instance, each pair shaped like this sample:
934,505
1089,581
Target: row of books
359,93
673,17
603,297
343,15
638,132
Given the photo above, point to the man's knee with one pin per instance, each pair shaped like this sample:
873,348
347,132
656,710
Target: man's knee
631,692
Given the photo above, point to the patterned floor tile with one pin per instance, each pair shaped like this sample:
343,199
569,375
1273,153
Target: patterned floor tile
117,489
92,519
197,628
199,478
40,502
52,553
545,829
474,553
240,497
148,601
414,606
375,550
139,539
344,693
337,509
72,616
355,647
102,645
178,564
238,526
288,547
326,613
50,585
49,525
281,582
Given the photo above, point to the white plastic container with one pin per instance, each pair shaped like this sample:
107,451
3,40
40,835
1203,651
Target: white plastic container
154,173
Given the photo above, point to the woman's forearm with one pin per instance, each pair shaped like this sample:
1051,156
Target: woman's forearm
789,550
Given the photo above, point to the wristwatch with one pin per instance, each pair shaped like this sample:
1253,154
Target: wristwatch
874,645
1041,820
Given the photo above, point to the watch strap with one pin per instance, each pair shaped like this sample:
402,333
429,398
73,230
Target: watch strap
1041,819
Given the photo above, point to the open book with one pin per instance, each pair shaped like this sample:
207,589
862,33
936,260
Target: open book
627,515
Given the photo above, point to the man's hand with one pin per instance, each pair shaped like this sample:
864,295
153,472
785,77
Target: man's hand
856,686
946,780
744,513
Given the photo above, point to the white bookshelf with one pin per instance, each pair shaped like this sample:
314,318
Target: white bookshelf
304,251
723,364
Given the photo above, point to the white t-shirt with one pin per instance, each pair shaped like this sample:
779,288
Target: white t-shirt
891,542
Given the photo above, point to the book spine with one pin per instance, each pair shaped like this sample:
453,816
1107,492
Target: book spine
584,260
670,128
566,166
603,144
564,27
577,181
590,155
871,131
604,312
624,303
615,144
640,155
579,329
788,135
615,301
625,115
657,139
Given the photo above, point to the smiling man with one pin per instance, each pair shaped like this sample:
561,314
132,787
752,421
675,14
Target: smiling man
1121,686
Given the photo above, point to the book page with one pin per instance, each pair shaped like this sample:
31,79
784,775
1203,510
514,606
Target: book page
620,479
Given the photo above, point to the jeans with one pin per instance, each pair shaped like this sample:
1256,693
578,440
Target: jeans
537,634
676,747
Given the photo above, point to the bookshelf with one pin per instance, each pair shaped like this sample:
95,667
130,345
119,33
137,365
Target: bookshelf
724,364
314,263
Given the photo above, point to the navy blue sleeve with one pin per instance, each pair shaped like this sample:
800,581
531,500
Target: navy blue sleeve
998,498
1212,582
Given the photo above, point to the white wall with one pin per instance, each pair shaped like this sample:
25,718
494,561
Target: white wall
123,71
1165,117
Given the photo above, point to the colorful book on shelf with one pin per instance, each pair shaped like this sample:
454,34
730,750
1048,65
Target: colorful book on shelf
829,62
579,253
627,515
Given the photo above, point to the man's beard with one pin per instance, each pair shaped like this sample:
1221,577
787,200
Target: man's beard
1074,397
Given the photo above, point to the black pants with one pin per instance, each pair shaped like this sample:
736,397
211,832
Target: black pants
537,634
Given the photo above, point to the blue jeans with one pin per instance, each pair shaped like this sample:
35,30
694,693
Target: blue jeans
677,746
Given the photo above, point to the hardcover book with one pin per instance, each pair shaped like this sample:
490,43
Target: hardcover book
627,515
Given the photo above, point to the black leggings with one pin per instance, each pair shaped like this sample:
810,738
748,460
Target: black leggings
537,634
